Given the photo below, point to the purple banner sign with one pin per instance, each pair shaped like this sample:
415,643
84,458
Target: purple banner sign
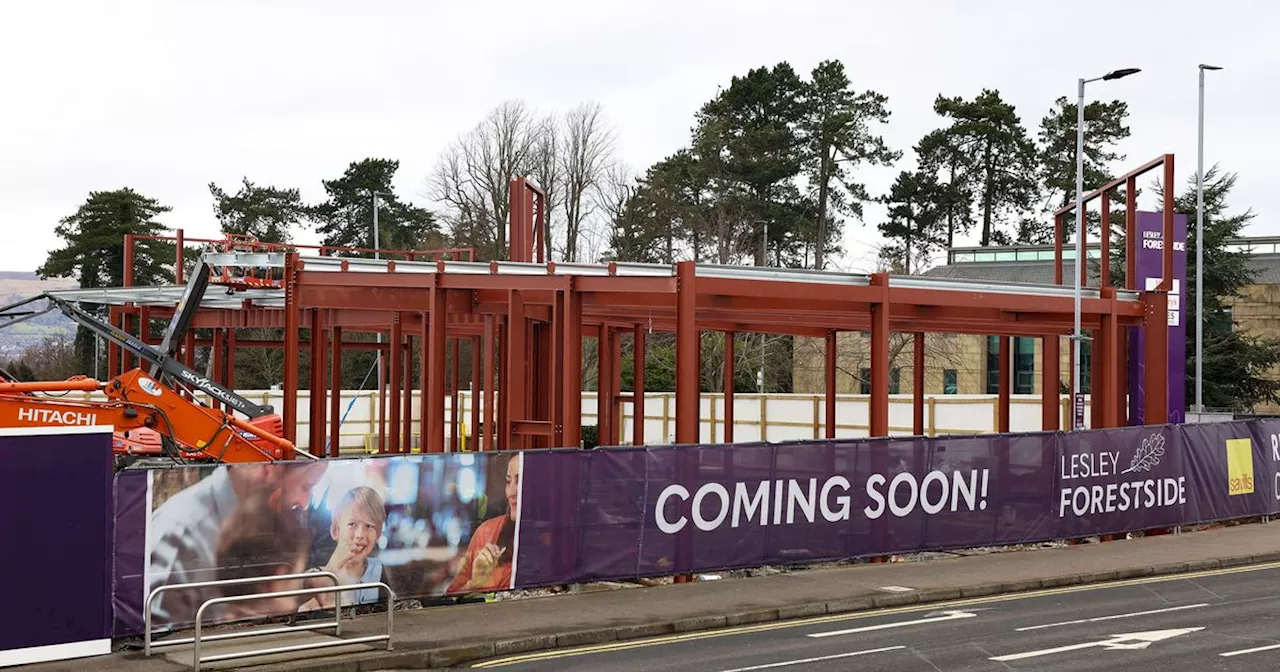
617,513
1150,265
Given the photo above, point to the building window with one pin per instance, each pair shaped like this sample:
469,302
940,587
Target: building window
1024,365
1086,367
895,381
949,385
864,386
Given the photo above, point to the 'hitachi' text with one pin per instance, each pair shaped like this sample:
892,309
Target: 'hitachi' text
48,416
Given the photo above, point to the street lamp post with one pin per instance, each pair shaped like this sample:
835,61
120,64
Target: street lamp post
1078,336
1200,248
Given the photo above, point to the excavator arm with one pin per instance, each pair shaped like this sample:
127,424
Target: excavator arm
135,400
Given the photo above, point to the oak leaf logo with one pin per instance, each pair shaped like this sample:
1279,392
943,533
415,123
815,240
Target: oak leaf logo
1148,455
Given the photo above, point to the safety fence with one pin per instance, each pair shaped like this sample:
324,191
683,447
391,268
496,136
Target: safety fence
457,523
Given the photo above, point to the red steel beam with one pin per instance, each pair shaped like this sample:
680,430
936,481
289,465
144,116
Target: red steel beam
1002,404
688,369
917,371
879,410
830,370
335,392
728,385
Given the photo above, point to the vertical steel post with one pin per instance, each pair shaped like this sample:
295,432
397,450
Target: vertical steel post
615,390
291,346
215,359
572,349
879,411
231,357
455,395
638,359
179,261
1057,249
474,440
406,397
1006,375
728,385
433,442
1050,379
605,433
335,393
830,370
1104,264
1156,355
513,388
316,404
393,383
1131,244
688,368
917,415
424,382
490,335
1099,360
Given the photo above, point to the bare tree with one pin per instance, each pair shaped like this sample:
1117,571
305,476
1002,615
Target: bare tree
547,171
472,177
586,154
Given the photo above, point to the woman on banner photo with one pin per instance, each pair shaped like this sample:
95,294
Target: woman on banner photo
489,562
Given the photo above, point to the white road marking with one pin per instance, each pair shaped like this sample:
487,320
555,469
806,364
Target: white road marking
946,616
1127,641
1253,650
815,660
1108,618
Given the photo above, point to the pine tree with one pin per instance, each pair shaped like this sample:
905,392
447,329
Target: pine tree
1104,126
916,218
346,217
266,213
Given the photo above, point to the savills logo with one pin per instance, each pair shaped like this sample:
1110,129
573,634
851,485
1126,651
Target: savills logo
1239,466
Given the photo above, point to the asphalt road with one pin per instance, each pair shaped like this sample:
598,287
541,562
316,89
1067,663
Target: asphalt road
1204,621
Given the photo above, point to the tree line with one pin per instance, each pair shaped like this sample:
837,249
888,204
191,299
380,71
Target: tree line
773,172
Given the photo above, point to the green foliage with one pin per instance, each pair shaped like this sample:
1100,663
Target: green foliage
266,213
1104,126
836,138
345,218
1002,159
916,221
1237,365
93,250
941,153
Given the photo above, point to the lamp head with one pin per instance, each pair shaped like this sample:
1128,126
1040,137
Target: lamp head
1210,67
1123,72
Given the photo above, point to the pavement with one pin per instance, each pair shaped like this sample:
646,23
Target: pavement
452,636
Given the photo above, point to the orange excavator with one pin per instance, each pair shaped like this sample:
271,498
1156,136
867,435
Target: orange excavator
150,414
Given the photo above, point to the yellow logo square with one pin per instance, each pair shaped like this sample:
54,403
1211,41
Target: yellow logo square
1239,466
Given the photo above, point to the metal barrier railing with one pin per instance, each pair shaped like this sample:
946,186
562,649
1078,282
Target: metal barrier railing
146,608
197,659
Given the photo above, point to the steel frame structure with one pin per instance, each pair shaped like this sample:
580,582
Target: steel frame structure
528,320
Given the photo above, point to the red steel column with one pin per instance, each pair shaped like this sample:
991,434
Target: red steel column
1082,265
216,357
513,389
917,409
474,439
179,261
1166,268
113,350
1131,233
393,382
315,405
1105,229
831,384
1156,362
1050,379
424,381
572,387
555,400
501,435
1057,250
291,346
879,411
604,387
433,442
128,259
688,368
489,381
1121,400
615,390
728,386
638,358
1003,406
335,393
455,396
406,399
1112,365
1098,399
231,356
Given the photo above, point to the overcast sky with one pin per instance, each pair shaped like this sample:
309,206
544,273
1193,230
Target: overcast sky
166,97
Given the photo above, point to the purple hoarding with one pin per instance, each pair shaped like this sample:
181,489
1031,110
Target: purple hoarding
1150,264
